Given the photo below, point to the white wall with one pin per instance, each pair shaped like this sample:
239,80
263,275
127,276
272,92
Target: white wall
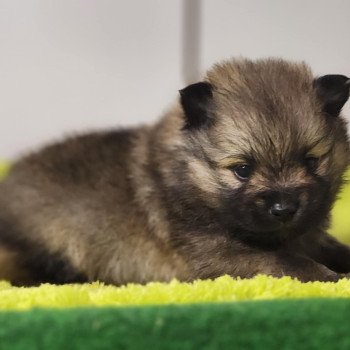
79,64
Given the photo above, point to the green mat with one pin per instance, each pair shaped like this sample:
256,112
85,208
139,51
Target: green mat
298,324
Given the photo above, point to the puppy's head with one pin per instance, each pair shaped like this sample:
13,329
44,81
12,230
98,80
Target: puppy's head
266,144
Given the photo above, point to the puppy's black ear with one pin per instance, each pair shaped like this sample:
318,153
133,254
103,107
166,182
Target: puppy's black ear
196,101
333,92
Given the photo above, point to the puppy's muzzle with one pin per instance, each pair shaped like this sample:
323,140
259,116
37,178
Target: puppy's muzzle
283,211
281,206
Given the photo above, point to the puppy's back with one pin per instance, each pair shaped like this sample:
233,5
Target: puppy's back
51,200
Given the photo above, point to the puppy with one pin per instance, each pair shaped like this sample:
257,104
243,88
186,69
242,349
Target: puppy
238,178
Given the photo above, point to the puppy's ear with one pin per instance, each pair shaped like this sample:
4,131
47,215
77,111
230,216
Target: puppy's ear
196,101
333,92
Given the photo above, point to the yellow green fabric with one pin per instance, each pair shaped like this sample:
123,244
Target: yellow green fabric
4,167
223,289
341,213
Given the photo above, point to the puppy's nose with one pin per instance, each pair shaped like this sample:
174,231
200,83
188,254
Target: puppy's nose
283,211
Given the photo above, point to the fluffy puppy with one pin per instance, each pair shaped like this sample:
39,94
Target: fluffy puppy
238,178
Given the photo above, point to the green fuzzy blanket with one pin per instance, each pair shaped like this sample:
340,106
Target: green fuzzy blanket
259,313
273,325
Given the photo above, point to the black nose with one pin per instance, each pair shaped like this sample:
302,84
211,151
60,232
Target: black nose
283,211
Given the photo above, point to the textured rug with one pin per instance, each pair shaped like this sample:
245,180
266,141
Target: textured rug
259,313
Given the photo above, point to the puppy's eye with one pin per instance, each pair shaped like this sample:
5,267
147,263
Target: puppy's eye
243,172
311,163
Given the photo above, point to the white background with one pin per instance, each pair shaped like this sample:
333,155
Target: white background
75,65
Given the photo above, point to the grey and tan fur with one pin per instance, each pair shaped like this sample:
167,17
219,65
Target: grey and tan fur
169,200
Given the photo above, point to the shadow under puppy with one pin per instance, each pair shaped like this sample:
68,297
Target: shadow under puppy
238,178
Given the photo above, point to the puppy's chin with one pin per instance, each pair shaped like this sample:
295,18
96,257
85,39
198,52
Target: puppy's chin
261,230
262,237
264,230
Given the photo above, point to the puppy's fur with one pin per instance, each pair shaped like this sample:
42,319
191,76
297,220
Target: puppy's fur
168,201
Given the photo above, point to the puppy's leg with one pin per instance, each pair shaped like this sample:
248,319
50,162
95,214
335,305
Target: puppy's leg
246,262
285,263
214,256
11,269
326,250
